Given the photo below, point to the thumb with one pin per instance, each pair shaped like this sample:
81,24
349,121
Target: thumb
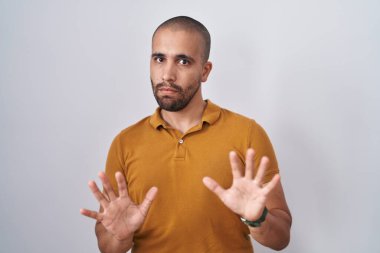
150,195
213,186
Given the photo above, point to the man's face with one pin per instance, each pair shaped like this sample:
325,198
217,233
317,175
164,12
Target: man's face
177,68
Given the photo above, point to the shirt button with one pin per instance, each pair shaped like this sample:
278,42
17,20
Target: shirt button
180,141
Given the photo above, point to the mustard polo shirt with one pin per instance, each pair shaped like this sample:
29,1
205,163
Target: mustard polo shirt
185,216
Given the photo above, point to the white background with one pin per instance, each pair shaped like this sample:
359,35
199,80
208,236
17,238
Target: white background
73,73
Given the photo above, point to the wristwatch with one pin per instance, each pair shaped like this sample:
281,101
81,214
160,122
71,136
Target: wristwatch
256,223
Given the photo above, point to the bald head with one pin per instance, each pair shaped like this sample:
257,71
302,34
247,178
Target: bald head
189,25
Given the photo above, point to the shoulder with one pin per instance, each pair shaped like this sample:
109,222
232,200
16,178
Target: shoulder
139,126
236,119
237,123
135,131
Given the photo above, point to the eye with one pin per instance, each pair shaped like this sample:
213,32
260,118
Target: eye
184,62
158,59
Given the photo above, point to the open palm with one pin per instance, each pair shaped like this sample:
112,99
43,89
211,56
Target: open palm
247,195
119,214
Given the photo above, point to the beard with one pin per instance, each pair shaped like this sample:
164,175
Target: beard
174,103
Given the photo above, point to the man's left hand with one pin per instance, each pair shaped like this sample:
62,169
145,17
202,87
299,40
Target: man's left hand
247,195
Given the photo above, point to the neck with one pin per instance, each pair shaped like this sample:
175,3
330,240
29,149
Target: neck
188,117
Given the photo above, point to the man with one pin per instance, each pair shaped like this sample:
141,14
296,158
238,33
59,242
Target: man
168,185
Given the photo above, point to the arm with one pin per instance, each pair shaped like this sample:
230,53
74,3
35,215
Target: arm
118,217
248,197
274,232
108,243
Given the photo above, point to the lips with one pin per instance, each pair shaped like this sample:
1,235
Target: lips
167,90
168,87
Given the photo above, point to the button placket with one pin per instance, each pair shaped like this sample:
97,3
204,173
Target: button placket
180,153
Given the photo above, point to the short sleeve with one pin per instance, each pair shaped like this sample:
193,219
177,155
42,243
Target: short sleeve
260,142
115,162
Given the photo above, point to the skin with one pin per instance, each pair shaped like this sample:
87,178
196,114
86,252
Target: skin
248,197
177,59
177,70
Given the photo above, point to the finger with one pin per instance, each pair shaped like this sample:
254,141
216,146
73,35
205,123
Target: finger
236,165
89,213
213,186
121,184
249,163
272,184
107,186
264,163
150,195
98,195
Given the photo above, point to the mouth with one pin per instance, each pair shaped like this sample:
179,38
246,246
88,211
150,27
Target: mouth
167,94
167,89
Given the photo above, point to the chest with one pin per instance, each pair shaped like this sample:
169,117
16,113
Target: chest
177,164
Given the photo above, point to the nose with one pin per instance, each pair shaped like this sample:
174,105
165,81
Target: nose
169,73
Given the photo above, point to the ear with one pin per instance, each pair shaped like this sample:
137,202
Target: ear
207,67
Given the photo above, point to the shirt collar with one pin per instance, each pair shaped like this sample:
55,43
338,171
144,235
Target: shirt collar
210,115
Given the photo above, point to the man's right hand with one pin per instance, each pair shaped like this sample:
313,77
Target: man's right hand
119,214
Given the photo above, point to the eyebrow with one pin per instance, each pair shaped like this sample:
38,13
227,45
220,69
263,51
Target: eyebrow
157,55
186,57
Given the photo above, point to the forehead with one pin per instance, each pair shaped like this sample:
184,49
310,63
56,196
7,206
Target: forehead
173,42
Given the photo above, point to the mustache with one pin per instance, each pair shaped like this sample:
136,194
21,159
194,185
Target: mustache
169,85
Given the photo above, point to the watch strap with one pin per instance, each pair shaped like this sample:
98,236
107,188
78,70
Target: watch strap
256,223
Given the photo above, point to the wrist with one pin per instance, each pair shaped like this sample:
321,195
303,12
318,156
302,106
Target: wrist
124,239
256,223
108,242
